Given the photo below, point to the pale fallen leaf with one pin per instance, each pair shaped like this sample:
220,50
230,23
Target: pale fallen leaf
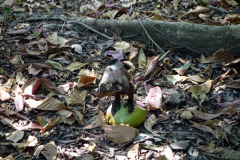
75,65
15,136
150,122
134,152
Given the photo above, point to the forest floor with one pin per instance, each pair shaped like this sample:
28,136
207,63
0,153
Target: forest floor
49,76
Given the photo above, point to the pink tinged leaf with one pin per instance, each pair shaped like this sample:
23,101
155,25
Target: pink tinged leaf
116,54
31,86
154,98
151,64
36,85
4,96
139,79
19,103
182,70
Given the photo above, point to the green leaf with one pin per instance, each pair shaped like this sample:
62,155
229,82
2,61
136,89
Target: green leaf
6,9
55,65
173,78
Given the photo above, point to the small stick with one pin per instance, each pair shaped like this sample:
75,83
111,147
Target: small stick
150,37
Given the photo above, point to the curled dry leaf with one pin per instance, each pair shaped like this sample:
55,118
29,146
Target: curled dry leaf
151,64
49,103
31,86
150,122
87,78
197,10
182,70
234,84
203,128
142,60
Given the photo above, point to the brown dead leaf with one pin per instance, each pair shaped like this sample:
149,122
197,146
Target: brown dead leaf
235,84
120,133
49,103
53,122
35,68
183,69
46,84
223,55
96,121
87,78
197,10
235,104
205,116
203,128
151,64
75,97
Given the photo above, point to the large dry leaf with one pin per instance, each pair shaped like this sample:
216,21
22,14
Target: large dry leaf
223,55
49,103
75,65
120,133
55,39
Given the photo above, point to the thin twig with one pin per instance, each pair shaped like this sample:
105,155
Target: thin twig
91,29
150,37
